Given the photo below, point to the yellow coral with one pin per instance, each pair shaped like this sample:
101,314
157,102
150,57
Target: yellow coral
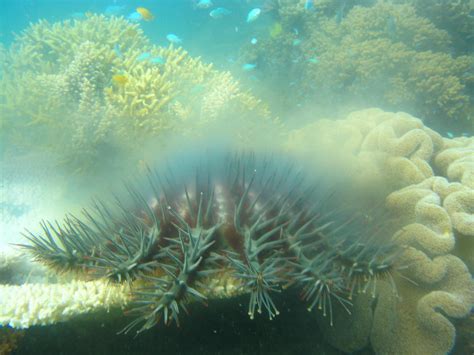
57,85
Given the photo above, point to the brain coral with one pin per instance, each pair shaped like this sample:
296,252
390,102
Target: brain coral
436,213
395,148
96,86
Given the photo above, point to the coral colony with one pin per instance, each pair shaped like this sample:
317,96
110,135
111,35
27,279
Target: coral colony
254,219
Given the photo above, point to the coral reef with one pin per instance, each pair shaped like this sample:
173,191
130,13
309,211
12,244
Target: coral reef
388,55
456,160
250,224
90,89
392,150
256,227
452,16
385,55
434,284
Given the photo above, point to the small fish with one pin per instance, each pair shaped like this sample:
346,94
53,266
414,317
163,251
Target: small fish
313,60
135,17
120,79
219,13
249,66
117,51
146,14
450,134
173,38
253,41
143,56
253,15
158,60
204,4
309,5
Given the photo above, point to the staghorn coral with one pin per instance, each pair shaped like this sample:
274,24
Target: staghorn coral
52,92
59,90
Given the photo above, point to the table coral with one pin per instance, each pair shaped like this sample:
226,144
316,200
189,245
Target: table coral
41,304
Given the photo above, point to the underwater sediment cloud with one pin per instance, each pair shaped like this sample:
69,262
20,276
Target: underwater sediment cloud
256,225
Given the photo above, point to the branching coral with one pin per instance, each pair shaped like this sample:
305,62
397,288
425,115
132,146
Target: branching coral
389,55
452,16
385,55
99,85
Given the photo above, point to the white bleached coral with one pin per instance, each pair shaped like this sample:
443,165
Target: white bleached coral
42,304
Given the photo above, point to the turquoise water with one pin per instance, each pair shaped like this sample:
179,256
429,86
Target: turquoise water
86,104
